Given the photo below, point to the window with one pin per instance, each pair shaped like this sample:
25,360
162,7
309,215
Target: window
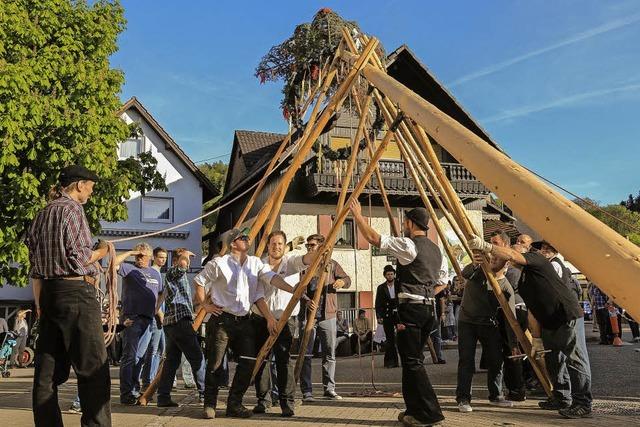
346,300
131,148
157,209
346,234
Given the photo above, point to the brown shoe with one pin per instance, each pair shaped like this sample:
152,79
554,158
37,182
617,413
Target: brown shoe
209,412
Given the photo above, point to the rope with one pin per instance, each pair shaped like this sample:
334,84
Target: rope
111,292
585,201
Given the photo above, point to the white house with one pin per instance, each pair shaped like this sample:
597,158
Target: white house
187,190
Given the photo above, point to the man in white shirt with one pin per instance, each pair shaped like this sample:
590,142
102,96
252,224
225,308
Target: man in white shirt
419,264
288,267
235,282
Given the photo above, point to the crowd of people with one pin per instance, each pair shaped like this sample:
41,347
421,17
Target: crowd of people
245,298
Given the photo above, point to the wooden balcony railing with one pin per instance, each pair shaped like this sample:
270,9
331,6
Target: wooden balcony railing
327,177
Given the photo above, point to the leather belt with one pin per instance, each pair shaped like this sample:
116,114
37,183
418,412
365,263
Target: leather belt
93,281
425,301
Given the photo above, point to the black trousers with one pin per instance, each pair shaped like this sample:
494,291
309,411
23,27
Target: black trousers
284,368
513,368
468,336
71,335
419,396
604,325
390,348
180,339
238,334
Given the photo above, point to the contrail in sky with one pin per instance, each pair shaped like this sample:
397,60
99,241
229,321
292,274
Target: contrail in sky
605,28
561,102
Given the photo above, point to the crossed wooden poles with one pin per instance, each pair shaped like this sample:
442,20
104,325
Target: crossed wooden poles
422,163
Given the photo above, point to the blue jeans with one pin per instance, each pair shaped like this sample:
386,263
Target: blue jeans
135,340
153,355
568,363
436,338
326,329
181,339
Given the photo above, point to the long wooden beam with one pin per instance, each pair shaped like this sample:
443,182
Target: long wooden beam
461,217
605,256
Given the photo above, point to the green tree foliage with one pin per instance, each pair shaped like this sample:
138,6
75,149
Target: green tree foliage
217,174
618,217
58,106
632,203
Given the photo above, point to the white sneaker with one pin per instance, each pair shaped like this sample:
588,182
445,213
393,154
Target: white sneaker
465,407
308,398
501,402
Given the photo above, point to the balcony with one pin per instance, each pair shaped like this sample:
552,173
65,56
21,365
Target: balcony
327,177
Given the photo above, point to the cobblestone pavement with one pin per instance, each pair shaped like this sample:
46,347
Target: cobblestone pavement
616,372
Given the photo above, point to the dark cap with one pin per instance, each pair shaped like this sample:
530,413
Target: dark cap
419,217
388,268
232,235
538,245
71,174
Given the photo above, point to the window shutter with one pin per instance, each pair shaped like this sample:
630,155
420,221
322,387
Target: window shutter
324,224
361,242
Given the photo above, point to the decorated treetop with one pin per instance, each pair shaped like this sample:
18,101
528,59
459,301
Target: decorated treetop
299,59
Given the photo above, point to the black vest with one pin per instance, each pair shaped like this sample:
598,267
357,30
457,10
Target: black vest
419,276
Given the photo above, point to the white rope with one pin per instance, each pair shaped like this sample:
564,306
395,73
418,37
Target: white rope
155,233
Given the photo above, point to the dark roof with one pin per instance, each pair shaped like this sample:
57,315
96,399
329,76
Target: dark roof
418,78
209,191
256,145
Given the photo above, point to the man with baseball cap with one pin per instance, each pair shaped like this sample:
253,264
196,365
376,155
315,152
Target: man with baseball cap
235,282
62,271
419,264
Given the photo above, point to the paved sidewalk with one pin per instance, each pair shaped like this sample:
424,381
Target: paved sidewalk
616,372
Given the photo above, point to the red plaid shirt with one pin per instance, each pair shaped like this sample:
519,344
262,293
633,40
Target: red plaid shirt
59,241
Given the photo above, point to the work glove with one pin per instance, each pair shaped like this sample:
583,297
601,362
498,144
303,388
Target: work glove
101,244
537,349
476,243
297,242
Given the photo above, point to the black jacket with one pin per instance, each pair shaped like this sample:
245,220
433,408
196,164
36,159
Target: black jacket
385,305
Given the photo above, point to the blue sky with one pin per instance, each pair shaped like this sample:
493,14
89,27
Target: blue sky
556,84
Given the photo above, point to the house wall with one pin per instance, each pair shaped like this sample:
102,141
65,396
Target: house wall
183,187
365,270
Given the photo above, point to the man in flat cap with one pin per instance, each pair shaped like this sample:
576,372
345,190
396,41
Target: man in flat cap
63,273
419,263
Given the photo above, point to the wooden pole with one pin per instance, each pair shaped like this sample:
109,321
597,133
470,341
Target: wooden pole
467,226
598,251
327,247
383,192
311,321
355,147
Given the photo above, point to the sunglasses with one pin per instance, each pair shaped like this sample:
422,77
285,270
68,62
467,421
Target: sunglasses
310,245
243,238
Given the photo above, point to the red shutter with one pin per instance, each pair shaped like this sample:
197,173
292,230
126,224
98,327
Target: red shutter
324,224
366,300
361,242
